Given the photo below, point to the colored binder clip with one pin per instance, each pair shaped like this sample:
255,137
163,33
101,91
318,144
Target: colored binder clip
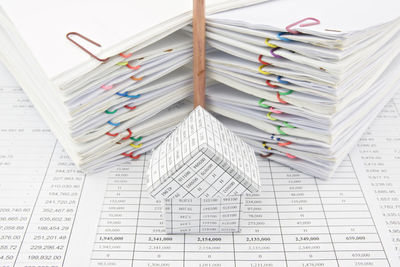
265,156
84,49
289,27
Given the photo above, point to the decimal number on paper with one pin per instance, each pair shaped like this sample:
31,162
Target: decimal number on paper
44,257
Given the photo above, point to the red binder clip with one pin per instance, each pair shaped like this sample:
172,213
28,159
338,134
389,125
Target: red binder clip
314,22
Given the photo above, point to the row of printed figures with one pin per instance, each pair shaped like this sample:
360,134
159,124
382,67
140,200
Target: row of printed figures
211,215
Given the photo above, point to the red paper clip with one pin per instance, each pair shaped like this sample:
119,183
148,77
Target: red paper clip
129,135
268,82
262,61
289,27
284,144
290,156
127,154
126,55
136,157
131,155
280,99
110,134
129,107
133,67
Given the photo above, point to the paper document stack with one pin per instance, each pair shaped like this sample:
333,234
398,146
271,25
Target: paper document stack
101,72
301,80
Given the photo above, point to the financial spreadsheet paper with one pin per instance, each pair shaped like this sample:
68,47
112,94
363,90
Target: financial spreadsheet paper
54,215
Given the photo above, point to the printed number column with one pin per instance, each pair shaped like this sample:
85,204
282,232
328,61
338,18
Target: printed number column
116,233
380,152
260,239
352,227
54,213
153,247
306,237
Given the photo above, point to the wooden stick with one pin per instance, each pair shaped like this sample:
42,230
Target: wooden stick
199,53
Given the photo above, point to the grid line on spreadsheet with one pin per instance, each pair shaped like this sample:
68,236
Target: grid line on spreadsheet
369,211
233,251
220,215
326,221
172,214
233,247
138,210
184,168
240,210
36,200
184,250
277,212
200,216
172,179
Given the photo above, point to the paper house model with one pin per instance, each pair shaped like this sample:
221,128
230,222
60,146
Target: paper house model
200,172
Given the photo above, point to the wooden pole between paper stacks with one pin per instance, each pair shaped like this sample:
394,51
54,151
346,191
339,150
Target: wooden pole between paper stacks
199,53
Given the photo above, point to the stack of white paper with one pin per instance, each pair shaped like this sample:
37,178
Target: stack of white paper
302,80
104,104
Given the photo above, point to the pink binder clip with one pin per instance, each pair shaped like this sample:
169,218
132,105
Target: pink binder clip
289,27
